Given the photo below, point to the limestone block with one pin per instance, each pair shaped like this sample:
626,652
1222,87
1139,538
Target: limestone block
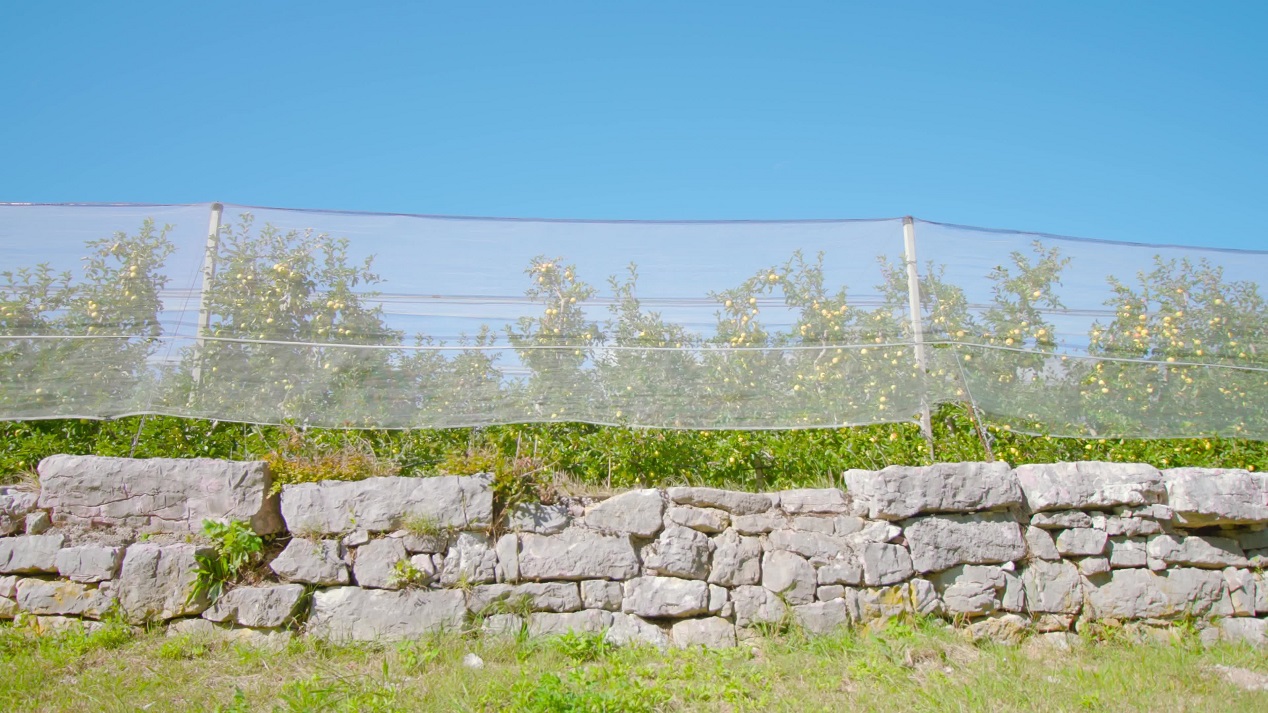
38,522
1089,485
507,551
311,562
757,605
1143,594
385,504
601,594
849,572
29,554
678,552
374,565
1089,566
577,553
1052,587
789,575
814,500
828,592
15,505
1061,519
632,629
45,598
89,563
538,518
707,520
759,524
879,602
1201,497
737,560
162,494
155,582
432,543
939,542
1244,631
971,590
1081,542
665,597
711,632
356,614
1127,552
260,607
471,559
822,617
1241,591
736,503
885,564
899,492
924,597
556,597
1131,527
1040,544
1195,551
813,523
637,512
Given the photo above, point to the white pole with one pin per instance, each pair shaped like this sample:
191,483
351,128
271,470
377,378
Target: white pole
917,327
209,273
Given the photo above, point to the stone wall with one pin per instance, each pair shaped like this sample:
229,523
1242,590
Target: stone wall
1001,550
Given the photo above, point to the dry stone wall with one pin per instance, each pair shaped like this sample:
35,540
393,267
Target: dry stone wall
1001,550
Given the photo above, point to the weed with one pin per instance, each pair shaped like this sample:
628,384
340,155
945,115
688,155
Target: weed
406,575
581,647
237,547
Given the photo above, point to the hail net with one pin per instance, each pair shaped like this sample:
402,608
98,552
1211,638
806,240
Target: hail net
398,321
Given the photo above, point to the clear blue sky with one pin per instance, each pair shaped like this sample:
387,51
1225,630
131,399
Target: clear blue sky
1120,120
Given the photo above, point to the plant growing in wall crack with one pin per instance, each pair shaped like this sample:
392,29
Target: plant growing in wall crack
237,548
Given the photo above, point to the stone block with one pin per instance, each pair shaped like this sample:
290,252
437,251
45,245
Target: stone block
356,614
736,503
311,562
89,563
737,560
711,632
575,554
678,552
386,504
471,559
707,520
1089,485
29,554
828,501
885,564
1202,497
940,542
156,581
1081,542
665,597
637,512
259,607
374,564
790,576
899,492
53,598
538,518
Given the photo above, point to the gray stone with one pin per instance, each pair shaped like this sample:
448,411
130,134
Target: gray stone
1131,527
822,617
1089,566
489,599
262,607
356,538
27,554
1052,587
311,562
550,596
9,586
1245,631
1241,591
759,524
356,614
707,520
736,560
924,597
8,609
156,581
471,559
1089,485
46,598
637,512
89,563
538,518
1001,628
1040,545
971,590
879,602
711,632
665,597
844,525
813,523
586,621
1081,542
375,563
1213,552
631,629
678,552
163,494
502,625
601,594
1127,552
507,551
736,503
1142,594
719,597
757,605
843,572
15,505
811,545
814,500
1014,597
939,542
899,492
789,575
1261,593
577,553
426,567
885,564
828,592
38,522
1061,519
1201,497
1157,511
385,504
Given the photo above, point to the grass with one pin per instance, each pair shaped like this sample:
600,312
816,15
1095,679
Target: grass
900,667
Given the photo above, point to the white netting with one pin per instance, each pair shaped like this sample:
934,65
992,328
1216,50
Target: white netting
337,319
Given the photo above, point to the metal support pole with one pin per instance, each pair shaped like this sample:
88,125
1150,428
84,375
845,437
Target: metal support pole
209,273
917,328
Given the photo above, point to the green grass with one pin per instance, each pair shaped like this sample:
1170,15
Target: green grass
901,667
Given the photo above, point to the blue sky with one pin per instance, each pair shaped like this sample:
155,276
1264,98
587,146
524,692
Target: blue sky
1137,121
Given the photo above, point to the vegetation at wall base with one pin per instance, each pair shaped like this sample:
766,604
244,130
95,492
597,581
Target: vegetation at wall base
528,459
919,665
